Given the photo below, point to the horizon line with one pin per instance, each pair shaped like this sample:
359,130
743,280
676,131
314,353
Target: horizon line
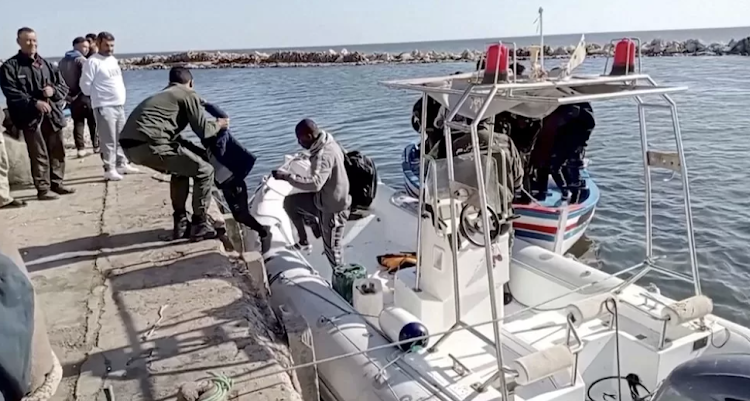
343,46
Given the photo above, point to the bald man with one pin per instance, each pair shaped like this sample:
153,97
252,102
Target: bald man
325,199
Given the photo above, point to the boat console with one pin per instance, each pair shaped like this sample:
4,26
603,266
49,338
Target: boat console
429,290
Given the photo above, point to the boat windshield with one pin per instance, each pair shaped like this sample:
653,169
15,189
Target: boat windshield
466,184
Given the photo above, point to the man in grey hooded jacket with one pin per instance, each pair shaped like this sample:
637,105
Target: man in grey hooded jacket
326,198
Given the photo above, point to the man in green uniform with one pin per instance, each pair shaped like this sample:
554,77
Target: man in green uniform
151,138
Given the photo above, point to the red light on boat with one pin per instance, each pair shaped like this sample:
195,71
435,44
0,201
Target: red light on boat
497,63
624,57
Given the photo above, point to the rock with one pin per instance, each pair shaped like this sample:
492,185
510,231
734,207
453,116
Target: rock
674,48
655,48
694,46
594,49
289,58
718,48
741,47
560,51
405,57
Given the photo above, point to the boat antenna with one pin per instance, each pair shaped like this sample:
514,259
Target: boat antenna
540,29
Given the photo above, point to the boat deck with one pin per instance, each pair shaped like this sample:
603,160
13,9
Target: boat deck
524,331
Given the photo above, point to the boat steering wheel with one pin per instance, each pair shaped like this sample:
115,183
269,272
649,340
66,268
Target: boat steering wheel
471,224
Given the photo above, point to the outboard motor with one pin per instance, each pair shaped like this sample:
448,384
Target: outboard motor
714,377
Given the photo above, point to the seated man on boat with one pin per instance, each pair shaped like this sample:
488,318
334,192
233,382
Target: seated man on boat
151,138
326,199
559,150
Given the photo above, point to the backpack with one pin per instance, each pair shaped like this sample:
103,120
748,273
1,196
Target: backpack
363,179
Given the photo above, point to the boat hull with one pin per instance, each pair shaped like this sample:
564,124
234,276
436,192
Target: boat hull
543,285
337,329
537,224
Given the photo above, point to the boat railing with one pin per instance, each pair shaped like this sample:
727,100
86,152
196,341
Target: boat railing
456,91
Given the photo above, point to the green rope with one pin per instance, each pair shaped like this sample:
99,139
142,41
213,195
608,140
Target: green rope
221,387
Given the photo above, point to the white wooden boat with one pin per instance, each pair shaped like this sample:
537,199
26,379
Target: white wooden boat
538,221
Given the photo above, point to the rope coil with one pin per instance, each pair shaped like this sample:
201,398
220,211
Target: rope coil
216,388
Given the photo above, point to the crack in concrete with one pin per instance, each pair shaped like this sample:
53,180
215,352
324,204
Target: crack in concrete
95,303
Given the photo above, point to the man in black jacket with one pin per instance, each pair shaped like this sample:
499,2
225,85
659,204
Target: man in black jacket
71,68
35,91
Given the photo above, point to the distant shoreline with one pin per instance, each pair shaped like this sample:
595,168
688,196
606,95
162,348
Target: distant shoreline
216,60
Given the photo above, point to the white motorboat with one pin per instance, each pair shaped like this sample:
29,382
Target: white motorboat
569,332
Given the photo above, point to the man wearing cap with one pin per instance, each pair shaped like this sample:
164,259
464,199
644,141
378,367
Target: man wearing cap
325,199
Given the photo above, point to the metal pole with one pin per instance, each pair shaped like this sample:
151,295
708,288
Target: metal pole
688,203
422,188
646,178
489,261
541,37
685,189
451,178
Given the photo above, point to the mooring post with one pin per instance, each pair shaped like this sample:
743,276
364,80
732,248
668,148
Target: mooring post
301,348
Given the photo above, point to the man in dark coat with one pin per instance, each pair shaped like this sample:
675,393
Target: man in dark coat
71,67
560,148
232,163
35,91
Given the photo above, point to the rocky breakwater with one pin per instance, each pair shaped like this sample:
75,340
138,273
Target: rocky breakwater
205,60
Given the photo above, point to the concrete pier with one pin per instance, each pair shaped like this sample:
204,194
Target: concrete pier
128,309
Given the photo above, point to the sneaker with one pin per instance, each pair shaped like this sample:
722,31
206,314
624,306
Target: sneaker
302,247
63,190
112,175
96,149
47,195
200,229
82,153
127,169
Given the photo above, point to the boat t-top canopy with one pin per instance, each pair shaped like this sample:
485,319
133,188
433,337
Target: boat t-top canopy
528,97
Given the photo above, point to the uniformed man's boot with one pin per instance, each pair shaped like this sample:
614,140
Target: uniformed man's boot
201,229
181,226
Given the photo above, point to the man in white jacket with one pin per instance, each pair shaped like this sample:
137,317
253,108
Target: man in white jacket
101,79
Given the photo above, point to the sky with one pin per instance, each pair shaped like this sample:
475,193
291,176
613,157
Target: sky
142,26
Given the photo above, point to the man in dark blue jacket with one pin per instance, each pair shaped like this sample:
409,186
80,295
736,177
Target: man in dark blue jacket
35,91
232,163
